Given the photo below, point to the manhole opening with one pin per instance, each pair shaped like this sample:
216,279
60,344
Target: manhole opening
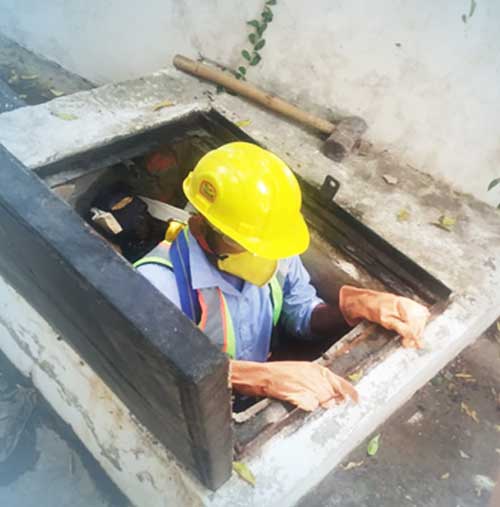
342,250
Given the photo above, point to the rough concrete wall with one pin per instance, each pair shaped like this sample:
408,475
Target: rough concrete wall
424,74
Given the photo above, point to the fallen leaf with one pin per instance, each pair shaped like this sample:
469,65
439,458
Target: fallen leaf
64,116
403,215
498,326
356,376
445,476
472,8
243,123
390,180
352,464
161,105
497,450
497,427
415,418
463,375
471,413
373,445
445,222
29,77
244,472
463,454
55,92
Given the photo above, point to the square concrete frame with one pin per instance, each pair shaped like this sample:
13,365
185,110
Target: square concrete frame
286,467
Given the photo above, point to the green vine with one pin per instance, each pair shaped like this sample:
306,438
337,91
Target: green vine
252,55
493,184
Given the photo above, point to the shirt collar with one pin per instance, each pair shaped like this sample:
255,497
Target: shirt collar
204,274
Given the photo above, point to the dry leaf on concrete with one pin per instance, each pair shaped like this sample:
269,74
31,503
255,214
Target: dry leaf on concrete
445,222
470,412
373,445
244,472
64,116
161,105
352,464
356,376
464,375
445,476
390,180
403,215
243,123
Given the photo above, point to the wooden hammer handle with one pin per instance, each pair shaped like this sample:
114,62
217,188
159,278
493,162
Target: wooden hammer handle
253,93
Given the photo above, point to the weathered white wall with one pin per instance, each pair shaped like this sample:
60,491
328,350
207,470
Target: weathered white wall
426,81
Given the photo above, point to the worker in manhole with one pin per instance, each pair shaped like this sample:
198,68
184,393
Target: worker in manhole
235,271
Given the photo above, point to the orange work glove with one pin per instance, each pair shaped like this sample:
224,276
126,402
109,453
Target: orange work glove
398,313
304,384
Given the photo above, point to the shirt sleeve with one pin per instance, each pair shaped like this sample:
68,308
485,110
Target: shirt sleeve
299,300
163,279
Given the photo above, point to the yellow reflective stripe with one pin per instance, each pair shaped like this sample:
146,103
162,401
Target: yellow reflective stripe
229,338
276,298
153,260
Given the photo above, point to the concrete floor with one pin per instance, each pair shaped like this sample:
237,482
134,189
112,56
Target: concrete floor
431,452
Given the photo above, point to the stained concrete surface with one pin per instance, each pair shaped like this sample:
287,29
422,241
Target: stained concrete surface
430,451
50,466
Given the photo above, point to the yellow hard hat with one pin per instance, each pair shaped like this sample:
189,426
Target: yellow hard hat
251,196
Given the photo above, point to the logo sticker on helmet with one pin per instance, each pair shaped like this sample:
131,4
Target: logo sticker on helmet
207,190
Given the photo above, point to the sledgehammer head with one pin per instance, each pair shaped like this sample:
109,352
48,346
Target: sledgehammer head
344,138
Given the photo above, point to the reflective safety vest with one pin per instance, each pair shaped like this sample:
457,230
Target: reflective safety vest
206,307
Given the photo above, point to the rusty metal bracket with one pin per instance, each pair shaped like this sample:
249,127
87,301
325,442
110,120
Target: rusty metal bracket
329,188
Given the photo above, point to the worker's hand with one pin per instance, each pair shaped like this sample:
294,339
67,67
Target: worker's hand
408,318
306,385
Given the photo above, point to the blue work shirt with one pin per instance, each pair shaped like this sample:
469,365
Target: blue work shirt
250,306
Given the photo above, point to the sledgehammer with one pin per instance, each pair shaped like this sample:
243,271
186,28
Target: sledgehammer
343,136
